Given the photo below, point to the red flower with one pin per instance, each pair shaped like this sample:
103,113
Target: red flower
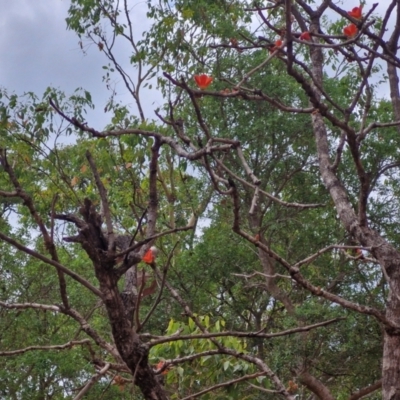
305,36
278,45
150,255
350,30
160,365
356,12
203,81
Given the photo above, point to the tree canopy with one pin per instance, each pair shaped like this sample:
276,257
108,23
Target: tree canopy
241,241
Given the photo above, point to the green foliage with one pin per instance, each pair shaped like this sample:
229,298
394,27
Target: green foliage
229,283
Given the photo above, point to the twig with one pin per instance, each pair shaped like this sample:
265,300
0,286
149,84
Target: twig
246,166
87,328
324,250
299,278
231,382
259,334
254,201
266,194
170,141
48,240
262,389
153,237
52,214
137,306
68,345
161,288
23,306
258,67
56,264
366,390
256,273
92,381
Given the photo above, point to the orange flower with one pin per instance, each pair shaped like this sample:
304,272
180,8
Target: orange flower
160,365
203,81
278,45
292,388
356,12
350,30
305,36
150,255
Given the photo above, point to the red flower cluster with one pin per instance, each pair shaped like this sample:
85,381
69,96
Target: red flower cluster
350,30
161,365
356,12
305,36
278,44
203,81
150,255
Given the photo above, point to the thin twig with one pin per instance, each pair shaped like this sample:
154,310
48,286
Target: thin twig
68,345
92,381
56,264
160,292
260,334
228,383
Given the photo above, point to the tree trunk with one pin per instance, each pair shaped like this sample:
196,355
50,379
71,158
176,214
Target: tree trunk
133,352
387,256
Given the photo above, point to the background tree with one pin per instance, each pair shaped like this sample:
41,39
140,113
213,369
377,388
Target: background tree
270,191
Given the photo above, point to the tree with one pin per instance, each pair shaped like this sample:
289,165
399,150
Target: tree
268,183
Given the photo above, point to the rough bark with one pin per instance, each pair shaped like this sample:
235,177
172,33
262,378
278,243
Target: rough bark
133,352
129,293
386,254
315,386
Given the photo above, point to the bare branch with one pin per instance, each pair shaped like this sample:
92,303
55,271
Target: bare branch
25,306
299,278
8,194
160,292
261,389
87,328
56,264
266,194
231,382
315,385
92,381
367,390
68,345
48,239
259,334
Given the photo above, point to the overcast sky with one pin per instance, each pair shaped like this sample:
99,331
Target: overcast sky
37,51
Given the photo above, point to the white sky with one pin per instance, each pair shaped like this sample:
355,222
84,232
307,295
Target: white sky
37,51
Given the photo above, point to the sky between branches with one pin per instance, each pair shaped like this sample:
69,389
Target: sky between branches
37,51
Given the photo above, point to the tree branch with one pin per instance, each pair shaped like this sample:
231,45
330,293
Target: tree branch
68,345
92,381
